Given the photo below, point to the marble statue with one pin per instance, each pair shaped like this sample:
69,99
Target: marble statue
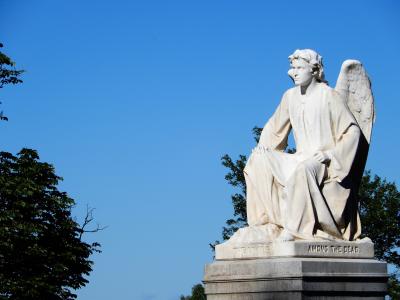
303,239
311,194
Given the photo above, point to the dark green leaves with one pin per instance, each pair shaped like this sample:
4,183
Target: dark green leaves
8,74
41,253
197,293
380,215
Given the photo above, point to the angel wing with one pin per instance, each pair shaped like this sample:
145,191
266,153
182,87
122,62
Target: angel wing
354,85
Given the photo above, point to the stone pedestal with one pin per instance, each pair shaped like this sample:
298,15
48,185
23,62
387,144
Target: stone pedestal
296,270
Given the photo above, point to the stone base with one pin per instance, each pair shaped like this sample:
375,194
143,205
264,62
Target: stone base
295,278
298,248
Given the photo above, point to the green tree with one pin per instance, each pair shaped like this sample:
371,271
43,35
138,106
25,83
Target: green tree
8,74
197,293
379,206
42,255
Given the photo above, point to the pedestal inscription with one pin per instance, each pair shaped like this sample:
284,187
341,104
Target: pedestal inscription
298,248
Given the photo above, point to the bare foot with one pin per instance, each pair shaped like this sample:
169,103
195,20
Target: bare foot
285,236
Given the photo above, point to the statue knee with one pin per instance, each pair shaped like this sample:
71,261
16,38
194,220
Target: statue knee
302,167
306,167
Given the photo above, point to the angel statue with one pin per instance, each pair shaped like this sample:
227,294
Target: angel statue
311,193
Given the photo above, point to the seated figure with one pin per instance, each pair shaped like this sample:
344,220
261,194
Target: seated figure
312,192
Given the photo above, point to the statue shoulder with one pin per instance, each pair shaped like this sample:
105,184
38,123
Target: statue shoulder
332,94
290,93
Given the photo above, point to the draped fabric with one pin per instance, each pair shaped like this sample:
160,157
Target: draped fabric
295,191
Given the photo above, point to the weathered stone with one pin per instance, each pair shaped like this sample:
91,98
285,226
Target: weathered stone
295,278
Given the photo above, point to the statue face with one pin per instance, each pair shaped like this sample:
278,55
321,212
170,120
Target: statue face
301,72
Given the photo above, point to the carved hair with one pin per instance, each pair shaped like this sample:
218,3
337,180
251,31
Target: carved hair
313,59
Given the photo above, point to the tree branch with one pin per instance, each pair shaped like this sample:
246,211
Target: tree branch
88,219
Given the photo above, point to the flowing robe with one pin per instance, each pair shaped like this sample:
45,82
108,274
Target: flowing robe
295,191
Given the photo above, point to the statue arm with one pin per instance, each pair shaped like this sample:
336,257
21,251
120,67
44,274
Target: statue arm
276,131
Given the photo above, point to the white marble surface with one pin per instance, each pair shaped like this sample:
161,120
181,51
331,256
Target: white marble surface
310,194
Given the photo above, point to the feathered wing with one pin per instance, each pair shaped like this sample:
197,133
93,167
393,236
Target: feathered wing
354,85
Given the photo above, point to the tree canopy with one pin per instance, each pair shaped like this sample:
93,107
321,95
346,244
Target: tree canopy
42,255
8,74
197,293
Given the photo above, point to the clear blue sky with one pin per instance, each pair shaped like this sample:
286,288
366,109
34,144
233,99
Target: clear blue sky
134,102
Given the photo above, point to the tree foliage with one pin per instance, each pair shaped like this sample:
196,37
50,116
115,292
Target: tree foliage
197,293
8,74
380,216
42,255
379,206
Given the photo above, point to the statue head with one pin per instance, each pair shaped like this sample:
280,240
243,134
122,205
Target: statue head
306,64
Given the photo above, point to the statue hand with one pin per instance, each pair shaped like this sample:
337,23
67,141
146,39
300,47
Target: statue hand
322,156
259,149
